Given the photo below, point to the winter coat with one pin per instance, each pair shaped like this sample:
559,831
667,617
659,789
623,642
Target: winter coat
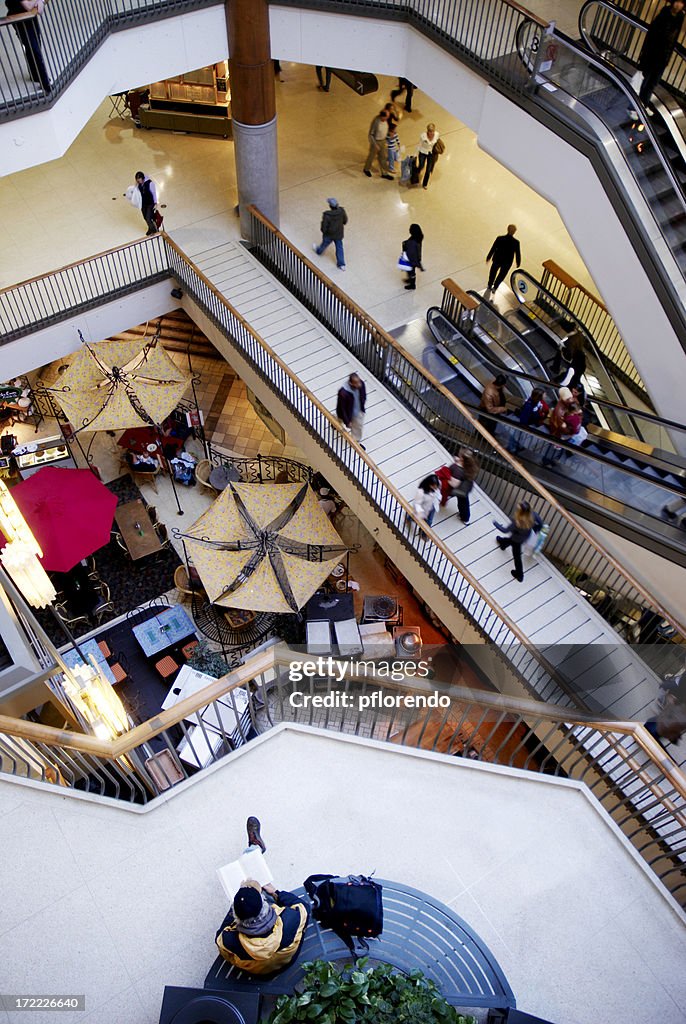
492,399
332,223
413,250
345,404
263,954
660,40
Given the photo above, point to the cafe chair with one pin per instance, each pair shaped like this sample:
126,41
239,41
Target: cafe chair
69,619
105,648
118,672
161,531
166,666
187,649
105,605
202,475
182,582
140,478
152,512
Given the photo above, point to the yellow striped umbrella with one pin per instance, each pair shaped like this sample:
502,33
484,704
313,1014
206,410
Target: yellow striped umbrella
117,384
264,547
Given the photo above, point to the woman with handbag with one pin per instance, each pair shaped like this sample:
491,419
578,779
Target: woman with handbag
411,256
425,154
519,528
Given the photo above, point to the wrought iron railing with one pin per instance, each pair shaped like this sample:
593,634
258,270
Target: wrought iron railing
68,35
626,770
261,469
444,415
57,296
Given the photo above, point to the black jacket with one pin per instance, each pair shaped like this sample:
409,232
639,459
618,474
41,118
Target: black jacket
332,223
413,250
504,250
345,404
660,40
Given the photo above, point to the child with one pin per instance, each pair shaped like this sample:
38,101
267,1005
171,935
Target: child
393,144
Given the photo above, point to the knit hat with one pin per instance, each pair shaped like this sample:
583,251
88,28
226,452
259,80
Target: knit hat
333,203
247,902
565,395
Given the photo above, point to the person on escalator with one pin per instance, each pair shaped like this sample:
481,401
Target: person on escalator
656,53
572,352
493,401
533,413
564,422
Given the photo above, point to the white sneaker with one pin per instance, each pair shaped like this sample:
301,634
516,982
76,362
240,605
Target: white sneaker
633,114
342,268
315,248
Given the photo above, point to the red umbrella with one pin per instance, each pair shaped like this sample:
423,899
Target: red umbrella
69,512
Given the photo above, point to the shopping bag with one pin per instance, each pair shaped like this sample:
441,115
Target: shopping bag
404,263
134,196
159,220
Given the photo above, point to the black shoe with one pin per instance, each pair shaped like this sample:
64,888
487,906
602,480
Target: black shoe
254,838
410,287
368,173
388,177
520,579
500,541
362,446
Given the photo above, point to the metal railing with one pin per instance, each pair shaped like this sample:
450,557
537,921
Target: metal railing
615,32
58,43
597,320
627,771
443,414
422,394
261,469
55,297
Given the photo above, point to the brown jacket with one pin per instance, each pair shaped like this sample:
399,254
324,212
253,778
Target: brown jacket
493,398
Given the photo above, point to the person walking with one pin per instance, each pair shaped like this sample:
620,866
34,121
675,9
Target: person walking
412,247
264,928
657,49
323,77
350,406
28,30
406,86
493,401
425,154
504,250
457,481
378,132
427,499
519,530
148,190
332,227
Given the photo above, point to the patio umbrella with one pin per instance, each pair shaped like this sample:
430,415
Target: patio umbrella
69,512
118,384
264,547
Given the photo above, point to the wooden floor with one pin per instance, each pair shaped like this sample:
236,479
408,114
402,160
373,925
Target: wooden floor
546,607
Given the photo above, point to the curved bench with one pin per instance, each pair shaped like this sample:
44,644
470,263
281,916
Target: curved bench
419,933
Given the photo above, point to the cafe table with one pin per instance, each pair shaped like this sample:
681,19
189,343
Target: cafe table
137,530
90,650
164,630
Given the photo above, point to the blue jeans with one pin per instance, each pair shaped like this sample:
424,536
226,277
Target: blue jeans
430,517
338,242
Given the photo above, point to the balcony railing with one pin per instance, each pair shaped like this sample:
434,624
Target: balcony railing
67,34
115,272
625,769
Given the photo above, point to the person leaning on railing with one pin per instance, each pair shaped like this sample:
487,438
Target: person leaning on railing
28,31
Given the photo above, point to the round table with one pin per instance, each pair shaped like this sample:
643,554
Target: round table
221,476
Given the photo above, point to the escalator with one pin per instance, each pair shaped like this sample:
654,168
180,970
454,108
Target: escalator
633,488
585,89
618,36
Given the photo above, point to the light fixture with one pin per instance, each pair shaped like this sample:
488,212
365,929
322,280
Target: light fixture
95,699
21,553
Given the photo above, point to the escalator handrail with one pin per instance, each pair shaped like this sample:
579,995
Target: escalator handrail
628,410
538,435
631,19
633,102
577,323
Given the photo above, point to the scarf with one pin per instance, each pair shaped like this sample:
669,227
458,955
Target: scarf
261,924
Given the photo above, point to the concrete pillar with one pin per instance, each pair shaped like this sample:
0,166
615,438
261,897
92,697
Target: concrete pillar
253,109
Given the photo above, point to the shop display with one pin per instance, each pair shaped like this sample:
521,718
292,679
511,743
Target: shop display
197,101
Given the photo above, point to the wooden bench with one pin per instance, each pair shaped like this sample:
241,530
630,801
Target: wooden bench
419,933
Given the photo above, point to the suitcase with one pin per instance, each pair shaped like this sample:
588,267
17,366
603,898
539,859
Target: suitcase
414,172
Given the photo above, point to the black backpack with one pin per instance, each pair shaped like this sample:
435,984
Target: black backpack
350,906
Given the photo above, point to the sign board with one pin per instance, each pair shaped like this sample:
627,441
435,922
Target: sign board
360,81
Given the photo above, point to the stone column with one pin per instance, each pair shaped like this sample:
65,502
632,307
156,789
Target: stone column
253,109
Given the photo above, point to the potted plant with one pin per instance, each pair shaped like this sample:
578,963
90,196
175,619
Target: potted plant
357,995
204,659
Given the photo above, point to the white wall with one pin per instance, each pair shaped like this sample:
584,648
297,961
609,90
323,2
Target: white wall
55,342
534,153
146,53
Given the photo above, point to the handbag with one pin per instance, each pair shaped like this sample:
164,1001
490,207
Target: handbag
403,262
159,220
439,147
